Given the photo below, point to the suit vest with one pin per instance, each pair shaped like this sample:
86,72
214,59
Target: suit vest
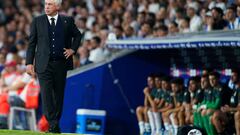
56,38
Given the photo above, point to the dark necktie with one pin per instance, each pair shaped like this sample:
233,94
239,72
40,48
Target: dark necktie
52,23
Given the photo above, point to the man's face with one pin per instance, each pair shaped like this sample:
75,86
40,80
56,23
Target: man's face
215,14
234,77
145,29
51,7
192,86
175,87
204,83
230,14
150,82
172,28
93,44
158,82
165,85
213,80
190,12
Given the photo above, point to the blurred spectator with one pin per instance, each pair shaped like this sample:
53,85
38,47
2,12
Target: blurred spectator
128,20
231,17
153,6
83,56
184,25
238,11
145,31
172,28
179,15
96,52
208,21
162,17
195,20
103,34
150,19
162,31
81,24
17,86
128,32
118,30
21,49
218,22
232,83
140,20
9,75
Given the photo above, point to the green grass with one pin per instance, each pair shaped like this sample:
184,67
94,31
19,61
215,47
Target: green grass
19,132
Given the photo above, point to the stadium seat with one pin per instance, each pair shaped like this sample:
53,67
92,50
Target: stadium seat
29,114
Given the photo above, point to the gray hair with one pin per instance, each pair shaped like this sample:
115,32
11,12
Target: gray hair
58,2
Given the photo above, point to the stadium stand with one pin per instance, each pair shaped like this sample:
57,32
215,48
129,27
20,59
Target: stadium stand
126,19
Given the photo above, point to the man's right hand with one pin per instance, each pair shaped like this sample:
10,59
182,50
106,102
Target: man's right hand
30,69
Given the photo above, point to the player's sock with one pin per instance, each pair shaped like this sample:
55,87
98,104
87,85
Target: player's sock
175,129
141,127
151,121
147,127
166,125
157,120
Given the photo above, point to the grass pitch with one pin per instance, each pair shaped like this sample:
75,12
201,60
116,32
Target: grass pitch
19,132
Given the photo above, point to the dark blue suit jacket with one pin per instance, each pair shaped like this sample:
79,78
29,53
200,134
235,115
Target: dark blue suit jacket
39,49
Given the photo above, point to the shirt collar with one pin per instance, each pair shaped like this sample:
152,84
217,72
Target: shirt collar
55,17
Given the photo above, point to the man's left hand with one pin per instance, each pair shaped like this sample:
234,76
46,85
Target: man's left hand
68,52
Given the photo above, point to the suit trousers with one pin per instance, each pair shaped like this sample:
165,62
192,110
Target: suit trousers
52,84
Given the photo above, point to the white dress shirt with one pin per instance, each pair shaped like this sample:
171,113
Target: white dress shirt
234,25
55,18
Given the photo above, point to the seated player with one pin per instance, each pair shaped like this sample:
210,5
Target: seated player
197,110
218,92
155,100
194,96
141,111
167,101
223,119
177,97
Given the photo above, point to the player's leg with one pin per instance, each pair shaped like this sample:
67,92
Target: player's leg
237,122
146,120
158,121
181,115
166,121
175,122
151,120
205,120
140,117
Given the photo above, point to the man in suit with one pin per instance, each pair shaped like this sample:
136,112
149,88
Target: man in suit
53,40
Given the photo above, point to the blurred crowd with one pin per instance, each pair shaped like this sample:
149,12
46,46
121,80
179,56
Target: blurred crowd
124,18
